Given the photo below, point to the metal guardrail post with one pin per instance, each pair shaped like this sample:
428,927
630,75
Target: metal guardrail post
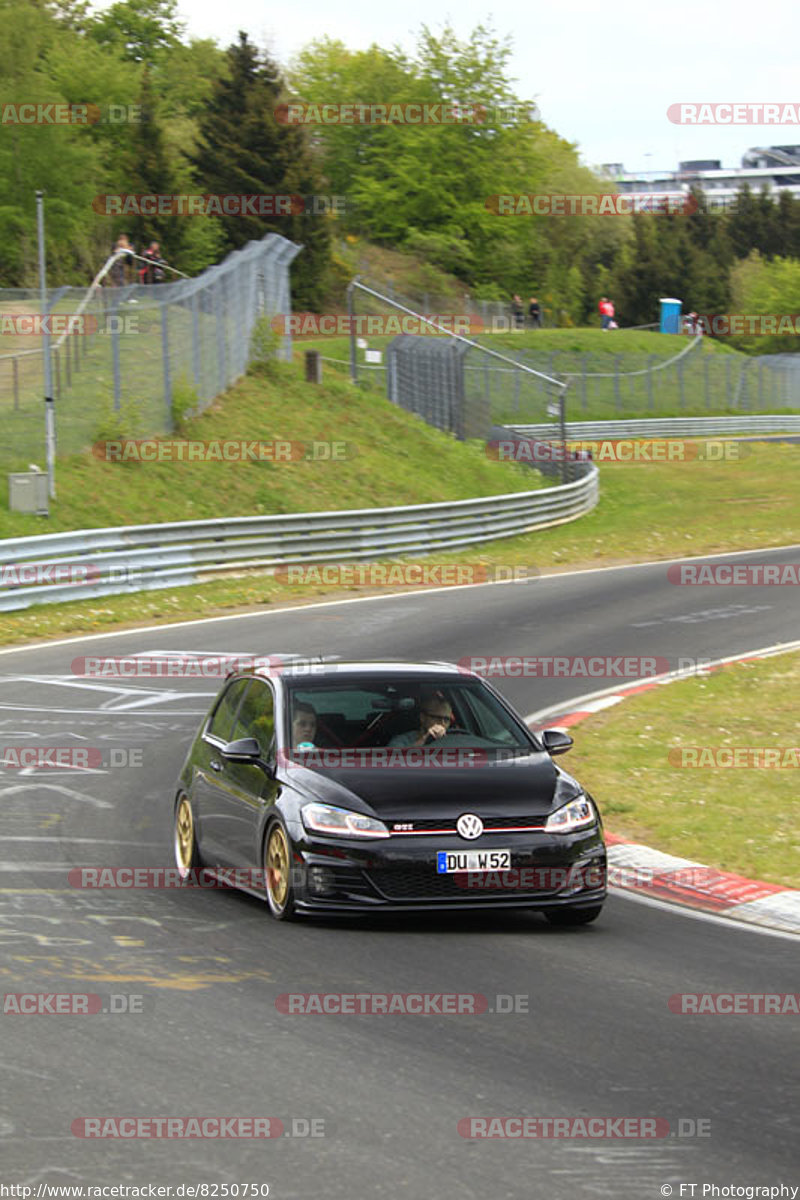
728,388
115,370
196,342
220,335
351,325
166,366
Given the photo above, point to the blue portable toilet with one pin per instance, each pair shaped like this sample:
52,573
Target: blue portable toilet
670,314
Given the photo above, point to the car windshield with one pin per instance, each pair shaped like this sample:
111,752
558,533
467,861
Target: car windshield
400,713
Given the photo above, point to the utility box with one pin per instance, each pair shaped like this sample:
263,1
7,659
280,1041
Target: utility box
28,493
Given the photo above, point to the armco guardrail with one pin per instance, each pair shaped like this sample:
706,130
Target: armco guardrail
659,426
102,562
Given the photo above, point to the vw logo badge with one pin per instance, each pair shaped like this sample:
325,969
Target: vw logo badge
469,826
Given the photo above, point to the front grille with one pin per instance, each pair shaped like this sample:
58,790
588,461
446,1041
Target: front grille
491,824
423,882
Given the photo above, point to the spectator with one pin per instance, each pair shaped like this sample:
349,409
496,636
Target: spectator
153,270
119,269
606,309
517,312
535,313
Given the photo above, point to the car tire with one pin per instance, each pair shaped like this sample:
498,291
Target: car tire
573,916
278,872
187,855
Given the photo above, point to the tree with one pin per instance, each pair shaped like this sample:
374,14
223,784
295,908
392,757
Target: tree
244,151
142,31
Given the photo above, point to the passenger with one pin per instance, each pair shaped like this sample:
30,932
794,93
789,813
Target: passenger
304,723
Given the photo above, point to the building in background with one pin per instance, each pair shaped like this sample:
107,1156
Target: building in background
776,167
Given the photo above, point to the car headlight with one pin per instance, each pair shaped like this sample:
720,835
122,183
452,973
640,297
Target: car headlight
324,818
576,815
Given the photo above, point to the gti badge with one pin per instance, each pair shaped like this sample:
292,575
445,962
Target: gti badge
469,826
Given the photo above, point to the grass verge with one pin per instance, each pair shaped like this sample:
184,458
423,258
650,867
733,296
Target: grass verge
383,456
740,819
647,511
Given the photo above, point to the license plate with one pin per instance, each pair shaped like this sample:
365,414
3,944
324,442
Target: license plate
450,862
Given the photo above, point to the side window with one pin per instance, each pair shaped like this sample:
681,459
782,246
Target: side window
221,725
257,716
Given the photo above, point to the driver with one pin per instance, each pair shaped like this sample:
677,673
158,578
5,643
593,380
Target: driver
435,717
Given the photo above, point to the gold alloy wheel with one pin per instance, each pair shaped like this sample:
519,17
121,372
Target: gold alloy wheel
277,868
184,836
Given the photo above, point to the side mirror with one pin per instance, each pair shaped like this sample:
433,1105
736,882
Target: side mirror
556,742
247,750
243,750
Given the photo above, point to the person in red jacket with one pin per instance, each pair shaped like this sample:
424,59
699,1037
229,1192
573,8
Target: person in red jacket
606,310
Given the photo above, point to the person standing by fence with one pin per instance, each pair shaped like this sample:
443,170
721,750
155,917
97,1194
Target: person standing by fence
119,269
606,310
535,313
153,270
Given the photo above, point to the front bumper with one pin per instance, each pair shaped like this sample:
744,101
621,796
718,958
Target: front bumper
399,874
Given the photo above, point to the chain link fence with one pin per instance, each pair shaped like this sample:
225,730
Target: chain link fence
459,387
697,383
694,382
136,357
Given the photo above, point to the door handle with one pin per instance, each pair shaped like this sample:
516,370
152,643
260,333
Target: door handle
215,765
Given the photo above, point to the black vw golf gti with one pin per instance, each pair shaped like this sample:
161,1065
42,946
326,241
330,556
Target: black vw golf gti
353,787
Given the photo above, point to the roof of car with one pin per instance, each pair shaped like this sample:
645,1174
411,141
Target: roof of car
318,669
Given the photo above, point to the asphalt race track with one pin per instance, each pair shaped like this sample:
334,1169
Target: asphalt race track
593,1037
